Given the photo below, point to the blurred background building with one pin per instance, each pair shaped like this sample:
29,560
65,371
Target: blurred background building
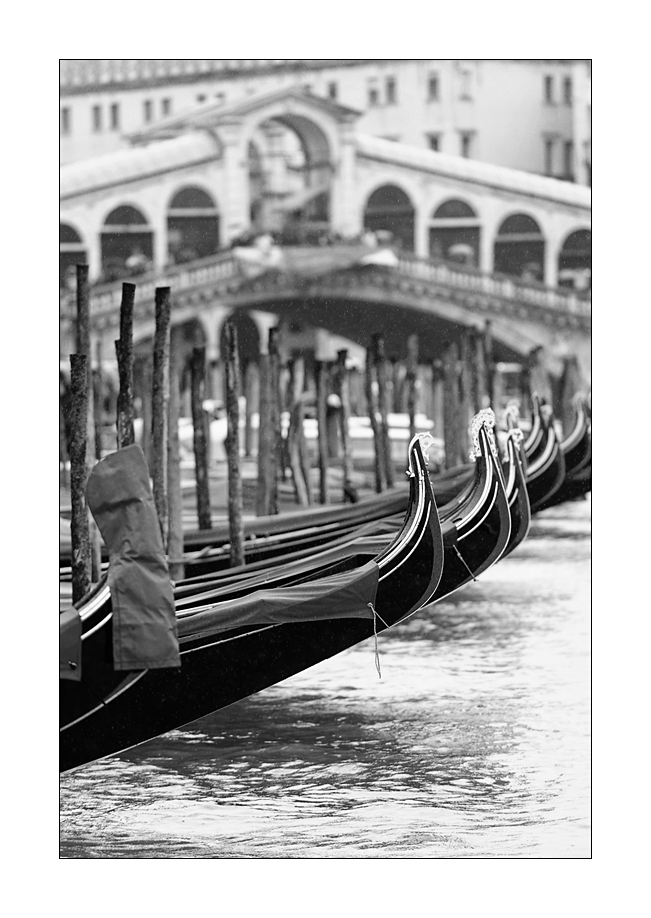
532,115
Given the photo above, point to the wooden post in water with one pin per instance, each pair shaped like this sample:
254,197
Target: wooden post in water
275,406
320,369
98,396
438,398
124,353
250,375
411,379
160,406
83,348
79,523
198,394
174,497
235,493
343,390
295,435
371,401
265,441
481,396
451,404
489,368
465,396
383,406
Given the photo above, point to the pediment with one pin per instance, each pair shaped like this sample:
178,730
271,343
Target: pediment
211,115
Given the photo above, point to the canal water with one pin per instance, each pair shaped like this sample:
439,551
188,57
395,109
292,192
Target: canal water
475,743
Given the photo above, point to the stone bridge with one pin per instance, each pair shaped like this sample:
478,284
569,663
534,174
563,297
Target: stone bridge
347,292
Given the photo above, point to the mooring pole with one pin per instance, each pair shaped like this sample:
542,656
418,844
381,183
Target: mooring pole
124,353
198,394
412,383
235,492
320,370
381,369
174,496
378,452
344,397
160,406
83,347
451,404
79,523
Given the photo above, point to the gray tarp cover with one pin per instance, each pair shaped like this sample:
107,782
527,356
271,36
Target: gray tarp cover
339,596
70,645
144,620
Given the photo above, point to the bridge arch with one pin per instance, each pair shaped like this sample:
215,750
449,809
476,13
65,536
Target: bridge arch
454,232
280,191
575,260
192,224
72,251
519,247
127,242
389,208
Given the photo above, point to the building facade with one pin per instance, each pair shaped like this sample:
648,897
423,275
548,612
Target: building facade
530,115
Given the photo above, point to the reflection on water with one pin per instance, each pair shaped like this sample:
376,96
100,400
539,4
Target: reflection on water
475,742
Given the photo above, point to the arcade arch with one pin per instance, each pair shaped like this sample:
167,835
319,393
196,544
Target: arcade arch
575,261
519,248
127,243
192,225
71,252
290,169
454,233
389,210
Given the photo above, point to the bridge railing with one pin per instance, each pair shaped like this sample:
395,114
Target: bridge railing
105,299
501,286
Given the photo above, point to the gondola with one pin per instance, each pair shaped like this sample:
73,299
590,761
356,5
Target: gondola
545,469
516,484
237,647
577,453
367,539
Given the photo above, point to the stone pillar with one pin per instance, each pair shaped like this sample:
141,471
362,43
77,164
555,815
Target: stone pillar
421,231
94,255
236,217
552,248
345,215
487,235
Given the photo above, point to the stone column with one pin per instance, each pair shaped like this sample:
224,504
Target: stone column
237,217
345,212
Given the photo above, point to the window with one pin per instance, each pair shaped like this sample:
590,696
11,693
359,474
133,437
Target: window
147,109
568,156
97,118
433,88
549,156
201,98
466,143
567,90
373,96
549,89
166,106
434,141
221,97
307,87
466,84
391,91
66,121
332,90
115,116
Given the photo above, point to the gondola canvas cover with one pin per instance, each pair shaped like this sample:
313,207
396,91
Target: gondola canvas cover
346,595
144,622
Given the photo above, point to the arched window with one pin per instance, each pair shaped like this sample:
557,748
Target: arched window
575,261
520,248
454,233
127,244
390,212
71,253
192,225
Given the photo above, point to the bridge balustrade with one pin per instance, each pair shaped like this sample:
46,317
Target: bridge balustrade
506,288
